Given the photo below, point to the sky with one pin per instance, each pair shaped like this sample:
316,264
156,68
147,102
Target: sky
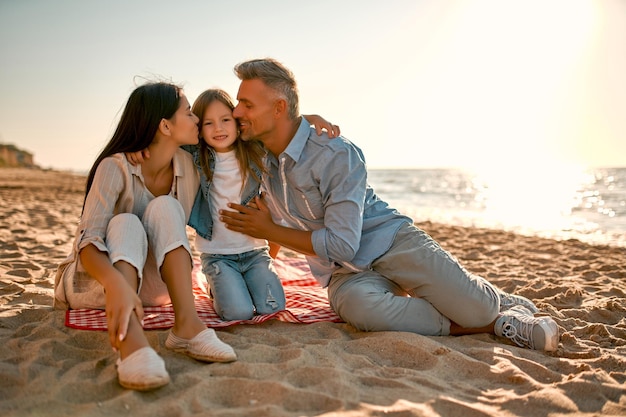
467,84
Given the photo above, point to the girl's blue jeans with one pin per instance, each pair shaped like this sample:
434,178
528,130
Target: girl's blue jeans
243,284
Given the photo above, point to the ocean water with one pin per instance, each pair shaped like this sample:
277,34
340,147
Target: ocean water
588,205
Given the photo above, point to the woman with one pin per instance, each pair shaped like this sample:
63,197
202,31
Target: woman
131,246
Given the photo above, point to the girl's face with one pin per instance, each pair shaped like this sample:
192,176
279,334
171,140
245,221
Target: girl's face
219,128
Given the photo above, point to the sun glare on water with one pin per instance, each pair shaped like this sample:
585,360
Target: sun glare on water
536,196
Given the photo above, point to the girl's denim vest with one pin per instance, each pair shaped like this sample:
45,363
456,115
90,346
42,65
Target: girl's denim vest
201,219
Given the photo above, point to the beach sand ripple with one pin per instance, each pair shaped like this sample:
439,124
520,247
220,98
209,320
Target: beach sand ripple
320,369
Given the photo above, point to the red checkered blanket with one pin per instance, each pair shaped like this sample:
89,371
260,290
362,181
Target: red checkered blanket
307,302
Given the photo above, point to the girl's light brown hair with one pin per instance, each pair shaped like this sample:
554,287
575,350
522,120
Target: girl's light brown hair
247,152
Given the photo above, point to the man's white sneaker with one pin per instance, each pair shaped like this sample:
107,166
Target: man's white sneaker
523,329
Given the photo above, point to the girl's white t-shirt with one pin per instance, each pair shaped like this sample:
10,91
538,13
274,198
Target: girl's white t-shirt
226,187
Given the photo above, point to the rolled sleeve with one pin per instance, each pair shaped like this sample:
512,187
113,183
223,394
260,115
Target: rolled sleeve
318,239
342,186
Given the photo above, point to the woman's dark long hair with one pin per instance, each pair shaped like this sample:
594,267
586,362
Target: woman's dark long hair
147,105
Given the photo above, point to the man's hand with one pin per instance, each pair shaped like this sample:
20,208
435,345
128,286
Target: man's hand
253,220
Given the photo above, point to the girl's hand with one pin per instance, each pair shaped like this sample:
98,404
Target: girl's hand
322,124
137,158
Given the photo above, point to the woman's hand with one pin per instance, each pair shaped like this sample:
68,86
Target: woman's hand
121,299
121,303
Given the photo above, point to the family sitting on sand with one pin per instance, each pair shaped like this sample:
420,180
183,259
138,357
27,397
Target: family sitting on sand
382,273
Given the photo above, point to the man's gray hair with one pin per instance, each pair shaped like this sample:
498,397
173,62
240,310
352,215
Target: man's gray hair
276,76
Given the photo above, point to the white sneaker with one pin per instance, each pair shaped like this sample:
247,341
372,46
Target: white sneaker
508,301
522,328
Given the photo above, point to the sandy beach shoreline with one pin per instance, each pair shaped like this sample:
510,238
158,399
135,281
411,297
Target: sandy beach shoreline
320,369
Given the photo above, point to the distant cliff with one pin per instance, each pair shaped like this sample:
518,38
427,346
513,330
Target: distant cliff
11,156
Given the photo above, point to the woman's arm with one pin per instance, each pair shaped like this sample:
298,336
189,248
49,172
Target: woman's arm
110,186
121,299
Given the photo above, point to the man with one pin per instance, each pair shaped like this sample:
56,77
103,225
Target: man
382,272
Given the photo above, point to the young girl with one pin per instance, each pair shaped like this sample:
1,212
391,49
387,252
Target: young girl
238,268
131,247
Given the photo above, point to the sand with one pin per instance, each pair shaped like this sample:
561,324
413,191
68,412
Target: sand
322,369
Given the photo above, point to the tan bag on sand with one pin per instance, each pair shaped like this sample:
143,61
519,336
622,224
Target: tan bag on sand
73,286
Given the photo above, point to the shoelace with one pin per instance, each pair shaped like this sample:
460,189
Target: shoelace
523,336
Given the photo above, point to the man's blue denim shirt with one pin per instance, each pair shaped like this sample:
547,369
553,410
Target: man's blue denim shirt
201,219
320,184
